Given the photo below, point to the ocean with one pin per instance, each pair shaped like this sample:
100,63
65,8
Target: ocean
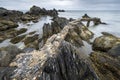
111,17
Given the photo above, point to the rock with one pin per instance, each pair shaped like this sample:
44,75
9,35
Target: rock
56,26
34,44
115,51
17,39
5,72
31,33
85,16
71,19
30,39
7,54
28,50
11,15
58,59
5,25
61,10
28,18
22,30
2,37
35,10
105,66
105,42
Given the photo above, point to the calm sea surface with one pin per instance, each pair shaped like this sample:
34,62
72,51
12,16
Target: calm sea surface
112,18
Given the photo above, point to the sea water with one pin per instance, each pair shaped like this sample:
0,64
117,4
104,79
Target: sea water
111,17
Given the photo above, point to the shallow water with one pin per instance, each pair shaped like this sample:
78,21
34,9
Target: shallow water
112,18
30,28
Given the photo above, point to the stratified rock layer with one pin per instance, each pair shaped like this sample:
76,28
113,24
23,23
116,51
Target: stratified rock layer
106,58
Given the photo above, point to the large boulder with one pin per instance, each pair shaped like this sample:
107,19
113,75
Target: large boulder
105,42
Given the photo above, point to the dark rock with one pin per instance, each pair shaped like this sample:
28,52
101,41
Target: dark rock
115,51
32,32
85,16
27,17
17,39
5,72
61,10
71,19
11,15
56,26
22,30
7,54
28,50
35,10
30,39
5,25
105,66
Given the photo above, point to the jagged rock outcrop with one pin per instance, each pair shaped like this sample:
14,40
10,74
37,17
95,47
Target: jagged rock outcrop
58,59
106,66
11,15
35,10
96,21
105,42
56,26
106,60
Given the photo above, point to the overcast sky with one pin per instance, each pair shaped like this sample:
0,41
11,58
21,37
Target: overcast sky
62,4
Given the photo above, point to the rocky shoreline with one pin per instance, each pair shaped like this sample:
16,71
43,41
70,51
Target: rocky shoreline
57,54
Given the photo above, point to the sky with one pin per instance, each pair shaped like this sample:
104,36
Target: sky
62,4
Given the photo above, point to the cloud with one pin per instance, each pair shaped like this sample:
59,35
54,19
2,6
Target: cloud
62,4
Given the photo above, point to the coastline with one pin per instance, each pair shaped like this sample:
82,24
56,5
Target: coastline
59,51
